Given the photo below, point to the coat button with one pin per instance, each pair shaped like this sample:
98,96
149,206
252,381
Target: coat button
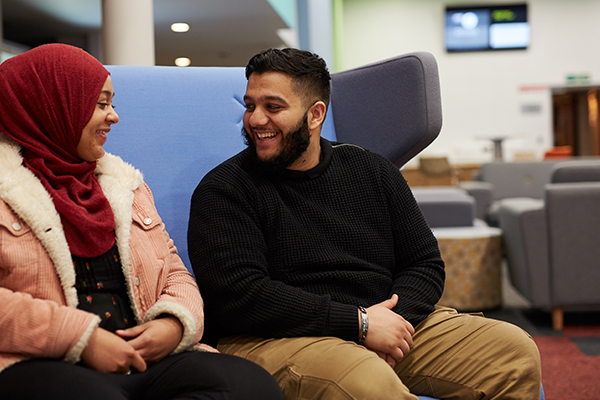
17,226
147,221
137,281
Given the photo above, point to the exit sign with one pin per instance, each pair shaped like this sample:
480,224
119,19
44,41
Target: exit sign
578,79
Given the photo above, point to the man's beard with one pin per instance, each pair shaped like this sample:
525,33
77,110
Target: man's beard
293,145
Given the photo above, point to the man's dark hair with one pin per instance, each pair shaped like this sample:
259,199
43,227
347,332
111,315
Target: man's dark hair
308,71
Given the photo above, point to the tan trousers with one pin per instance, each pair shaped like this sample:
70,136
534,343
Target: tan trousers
454,356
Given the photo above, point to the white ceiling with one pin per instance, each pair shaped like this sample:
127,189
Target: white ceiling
222,32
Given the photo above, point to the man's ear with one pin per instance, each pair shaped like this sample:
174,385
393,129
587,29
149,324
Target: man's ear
316,115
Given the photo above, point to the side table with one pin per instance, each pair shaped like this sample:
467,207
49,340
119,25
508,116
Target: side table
473,258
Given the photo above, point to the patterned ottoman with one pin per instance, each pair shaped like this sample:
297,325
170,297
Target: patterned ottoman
473,258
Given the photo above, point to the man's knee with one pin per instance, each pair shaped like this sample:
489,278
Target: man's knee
521,362
522,349
365,377
322,368
528,357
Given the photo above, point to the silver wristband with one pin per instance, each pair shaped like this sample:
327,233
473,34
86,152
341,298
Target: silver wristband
364,325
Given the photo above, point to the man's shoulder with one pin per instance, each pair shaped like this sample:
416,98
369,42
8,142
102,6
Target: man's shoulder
231,168
354,153
347,147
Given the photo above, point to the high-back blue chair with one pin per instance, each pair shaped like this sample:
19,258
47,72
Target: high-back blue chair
179,123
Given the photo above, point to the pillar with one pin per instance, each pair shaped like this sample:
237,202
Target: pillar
315,28
1,25
128,32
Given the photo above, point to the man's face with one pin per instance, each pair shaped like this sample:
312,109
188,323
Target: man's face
275,121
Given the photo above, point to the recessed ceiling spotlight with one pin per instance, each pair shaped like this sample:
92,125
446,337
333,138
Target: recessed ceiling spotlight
182,62
180,27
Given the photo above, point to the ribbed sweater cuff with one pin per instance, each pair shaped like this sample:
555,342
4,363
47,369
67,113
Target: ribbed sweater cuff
343,321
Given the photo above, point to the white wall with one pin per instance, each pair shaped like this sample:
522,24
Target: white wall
483,93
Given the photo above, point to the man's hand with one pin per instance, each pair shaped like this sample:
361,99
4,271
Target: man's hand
156,339
389,335
107,352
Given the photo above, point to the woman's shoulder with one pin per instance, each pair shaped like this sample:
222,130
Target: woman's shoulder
115,168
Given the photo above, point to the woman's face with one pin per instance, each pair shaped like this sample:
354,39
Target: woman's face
94,134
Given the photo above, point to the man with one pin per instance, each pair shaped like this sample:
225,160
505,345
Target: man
316,263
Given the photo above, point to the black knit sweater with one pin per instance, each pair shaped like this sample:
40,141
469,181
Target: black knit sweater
295,254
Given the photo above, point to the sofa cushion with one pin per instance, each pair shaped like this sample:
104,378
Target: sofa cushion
445,207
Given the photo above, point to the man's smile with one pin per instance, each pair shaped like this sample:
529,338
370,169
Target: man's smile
265,135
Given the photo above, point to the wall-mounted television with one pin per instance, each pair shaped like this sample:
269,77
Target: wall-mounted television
483,28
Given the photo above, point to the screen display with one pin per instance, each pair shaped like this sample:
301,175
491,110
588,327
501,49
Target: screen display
482,28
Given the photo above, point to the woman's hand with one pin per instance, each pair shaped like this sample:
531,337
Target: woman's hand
107,352
155,339
208,348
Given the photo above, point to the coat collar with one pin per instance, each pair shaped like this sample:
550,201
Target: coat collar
26,196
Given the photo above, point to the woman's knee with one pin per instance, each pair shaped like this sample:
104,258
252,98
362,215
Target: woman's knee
223,373
250,380
53,379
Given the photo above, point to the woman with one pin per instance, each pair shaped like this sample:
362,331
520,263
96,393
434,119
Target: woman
95,303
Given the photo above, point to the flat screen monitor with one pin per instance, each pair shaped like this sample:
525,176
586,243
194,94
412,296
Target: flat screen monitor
483,28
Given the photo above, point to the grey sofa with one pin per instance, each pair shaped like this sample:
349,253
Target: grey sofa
497,181
552,243
445,207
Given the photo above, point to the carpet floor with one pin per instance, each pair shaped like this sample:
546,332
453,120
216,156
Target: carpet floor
570,359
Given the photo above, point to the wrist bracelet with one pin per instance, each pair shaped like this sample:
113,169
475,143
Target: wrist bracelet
364,325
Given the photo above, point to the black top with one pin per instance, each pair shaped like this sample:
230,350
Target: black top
295,253
101,289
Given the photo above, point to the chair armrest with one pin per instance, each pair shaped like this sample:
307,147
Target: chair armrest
482,193
573,213
523,223
576,171
445,206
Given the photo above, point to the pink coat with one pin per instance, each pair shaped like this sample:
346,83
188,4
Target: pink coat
38,300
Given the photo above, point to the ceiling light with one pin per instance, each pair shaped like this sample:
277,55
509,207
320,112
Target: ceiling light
180,27
182,62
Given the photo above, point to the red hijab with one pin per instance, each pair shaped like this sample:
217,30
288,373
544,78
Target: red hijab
47,96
